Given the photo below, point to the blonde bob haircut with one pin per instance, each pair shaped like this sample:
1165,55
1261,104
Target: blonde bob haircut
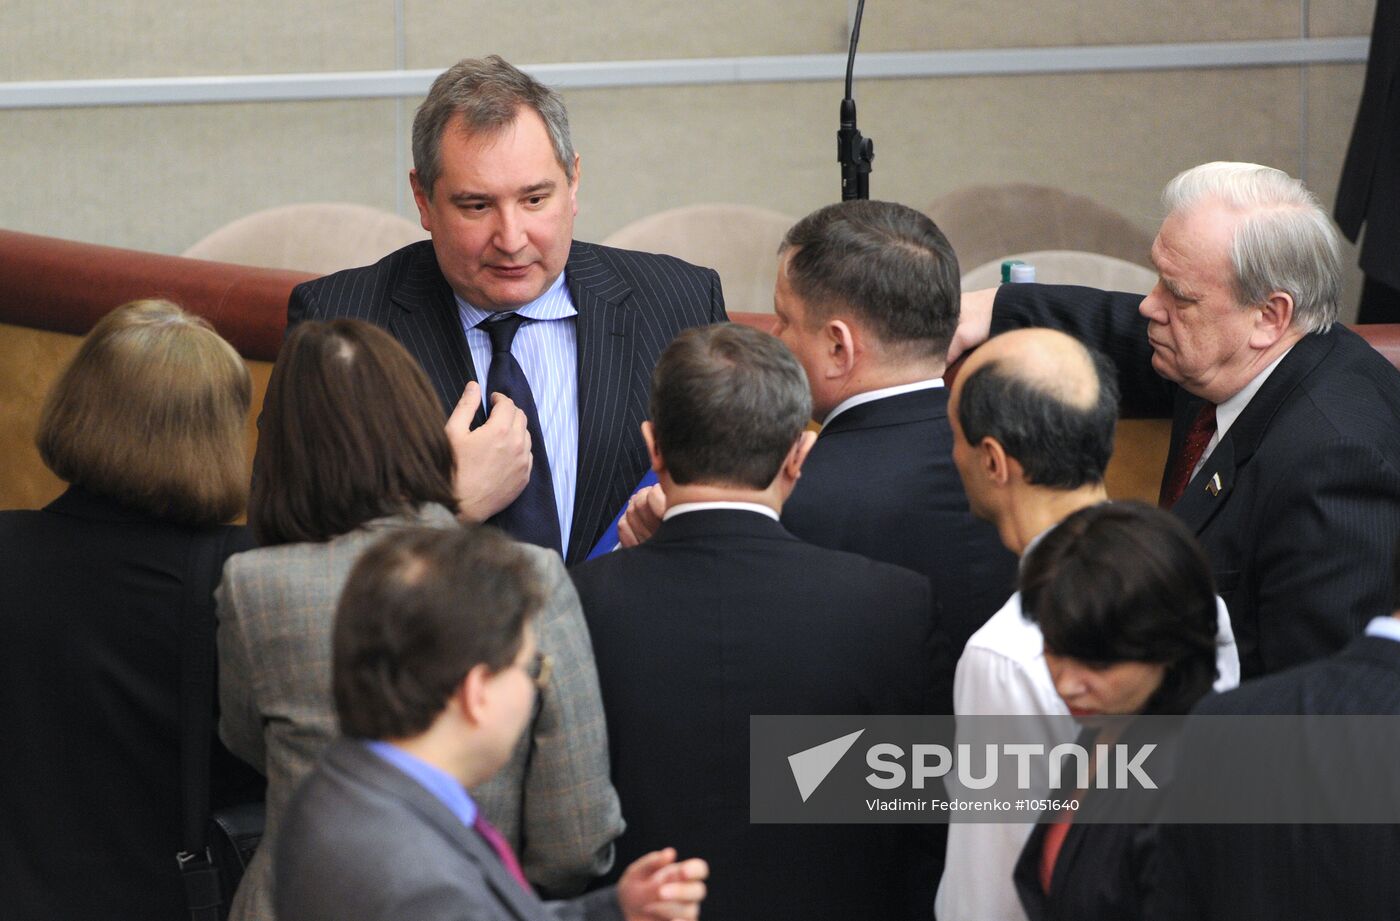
150,413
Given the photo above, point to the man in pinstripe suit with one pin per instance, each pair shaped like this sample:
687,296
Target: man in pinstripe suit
1251,872
495,179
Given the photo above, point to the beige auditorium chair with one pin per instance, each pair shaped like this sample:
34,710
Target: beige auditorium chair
319,237
1068,267
985,222
738,241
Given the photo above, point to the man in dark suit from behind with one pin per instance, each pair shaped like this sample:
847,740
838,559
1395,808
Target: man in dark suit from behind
435,675
506,311
1312,872
723,614
867,299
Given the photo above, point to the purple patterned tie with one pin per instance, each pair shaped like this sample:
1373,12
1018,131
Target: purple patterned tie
502,848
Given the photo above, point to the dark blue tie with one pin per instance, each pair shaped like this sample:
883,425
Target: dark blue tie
533,516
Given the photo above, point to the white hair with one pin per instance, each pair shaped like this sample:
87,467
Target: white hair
1285,242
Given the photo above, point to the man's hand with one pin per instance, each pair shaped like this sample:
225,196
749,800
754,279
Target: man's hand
643,516
493,462
974,322
657,888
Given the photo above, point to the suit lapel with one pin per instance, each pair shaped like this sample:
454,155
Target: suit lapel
360,761
1209,489
608,391
429,326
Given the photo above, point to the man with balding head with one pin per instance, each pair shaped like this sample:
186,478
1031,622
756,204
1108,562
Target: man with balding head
1033,414
1285,448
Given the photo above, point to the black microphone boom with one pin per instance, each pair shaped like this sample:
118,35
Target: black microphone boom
853,152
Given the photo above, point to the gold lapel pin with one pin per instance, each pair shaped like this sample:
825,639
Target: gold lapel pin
1213,487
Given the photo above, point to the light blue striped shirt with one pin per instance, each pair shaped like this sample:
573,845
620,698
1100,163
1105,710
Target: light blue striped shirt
548,354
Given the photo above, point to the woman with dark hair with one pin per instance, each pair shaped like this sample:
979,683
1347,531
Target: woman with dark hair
102,590
352,445
1124,599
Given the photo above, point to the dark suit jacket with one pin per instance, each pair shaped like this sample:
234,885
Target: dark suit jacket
1299,872
723,615
630,306
1301,534
363,840
1106,870
880,481
1369,190
95,600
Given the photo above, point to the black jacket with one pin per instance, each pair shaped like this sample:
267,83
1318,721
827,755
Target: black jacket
95,599
723,615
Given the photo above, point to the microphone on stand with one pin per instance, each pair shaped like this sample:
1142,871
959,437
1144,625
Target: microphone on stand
853,151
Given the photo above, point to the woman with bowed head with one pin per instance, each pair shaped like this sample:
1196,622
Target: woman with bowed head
1124,598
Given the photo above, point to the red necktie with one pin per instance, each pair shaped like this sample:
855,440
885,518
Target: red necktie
1050,847
501,846
1181,467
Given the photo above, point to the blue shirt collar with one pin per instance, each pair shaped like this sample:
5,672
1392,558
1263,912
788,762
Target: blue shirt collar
553,304
436,781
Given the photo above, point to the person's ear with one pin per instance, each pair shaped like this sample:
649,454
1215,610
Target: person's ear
995,462
421,199
797,455
658,463
473,693
1273,321
573,186
842,346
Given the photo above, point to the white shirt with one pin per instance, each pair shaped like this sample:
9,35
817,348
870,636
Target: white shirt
684,507
1386,626
1002,671
1228,411
870,396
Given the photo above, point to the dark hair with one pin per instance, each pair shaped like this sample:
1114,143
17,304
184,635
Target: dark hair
488,94
886,262
420,609
1058,444
151,412
351,431
1126,582
727,403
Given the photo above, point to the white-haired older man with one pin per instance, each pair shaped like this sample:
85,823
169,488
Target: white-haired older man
1285,449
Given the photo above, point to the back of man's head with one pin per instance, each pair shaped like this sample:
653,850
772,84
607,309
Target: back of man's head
1284,242
886,264
727,403
420,609
1051,402
487,95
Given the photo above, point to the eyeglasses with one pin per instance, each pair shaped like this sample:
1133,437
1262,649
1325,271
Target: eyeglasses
539,669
